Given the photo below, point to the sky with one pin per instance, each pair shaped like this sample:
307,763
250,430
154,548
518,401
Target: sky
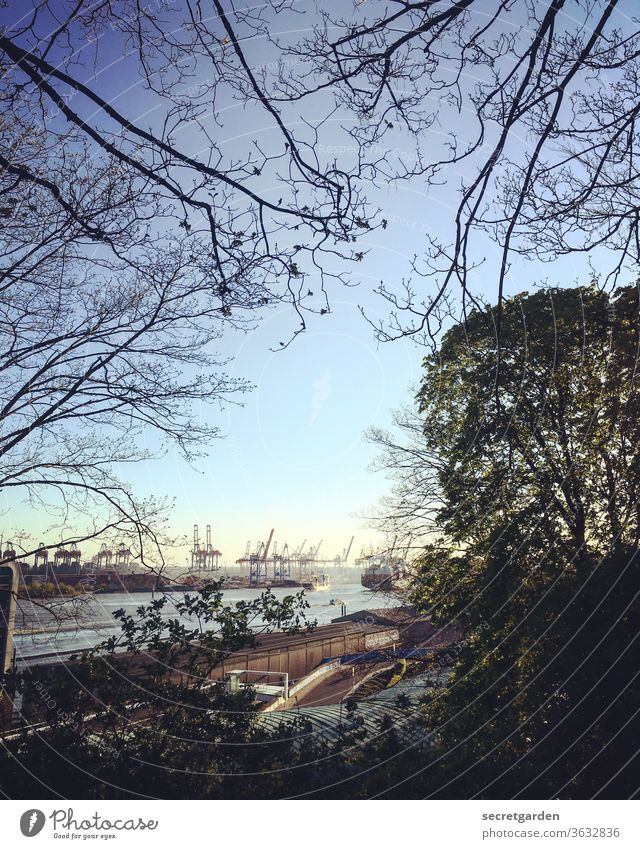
292,457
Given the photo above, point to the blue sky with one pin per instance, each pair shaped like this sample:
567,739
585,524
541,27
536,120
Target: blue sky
293,455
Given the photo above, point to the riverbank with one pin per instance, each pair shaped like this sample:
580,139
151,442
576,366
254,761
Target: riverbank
83,622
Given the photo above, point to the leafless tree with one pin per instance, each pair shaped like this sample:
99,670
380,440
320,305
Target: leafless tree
537,103
404,456
128,250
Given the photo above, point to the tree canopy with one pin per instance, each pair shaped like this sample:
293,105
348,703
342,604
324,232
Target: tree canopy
535,547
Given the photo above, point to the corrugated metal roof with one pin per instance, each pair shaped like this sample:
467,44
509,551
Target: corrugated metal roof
377,714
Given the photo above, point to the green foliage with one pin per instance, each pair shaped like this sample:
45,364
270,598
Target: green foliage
140,714
538,552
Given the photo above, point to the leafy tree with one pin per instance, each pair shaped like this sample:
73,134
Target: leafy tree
537,554
140,714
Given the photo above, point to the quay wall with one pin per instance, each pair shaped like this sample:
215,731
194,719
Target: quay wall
299,655
296,654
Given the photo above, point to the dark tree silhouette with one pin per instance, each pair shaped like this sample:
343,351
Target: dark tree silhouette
536,555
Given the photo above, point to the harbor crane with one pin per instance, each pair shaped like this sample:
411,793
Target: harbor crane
258,562
204,557
341,560
348,551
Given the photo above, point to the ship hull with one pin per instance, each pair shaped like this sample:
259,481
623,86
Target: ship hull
371,582
387,583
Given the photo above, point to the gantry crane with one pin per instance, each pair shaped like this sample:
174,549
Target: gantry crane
258,562
204,557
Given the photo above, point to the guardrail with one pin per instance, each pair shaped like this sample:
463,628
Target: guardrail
320,672
330,664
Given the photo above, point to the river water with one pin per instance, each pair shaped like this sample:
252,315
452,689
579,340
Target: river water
49,640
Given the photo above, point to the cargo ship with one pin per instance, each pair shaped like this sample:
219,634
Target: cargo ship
383,574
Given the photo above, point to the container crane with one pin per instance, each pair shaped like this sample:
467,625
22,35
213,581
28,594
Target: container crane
258,562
